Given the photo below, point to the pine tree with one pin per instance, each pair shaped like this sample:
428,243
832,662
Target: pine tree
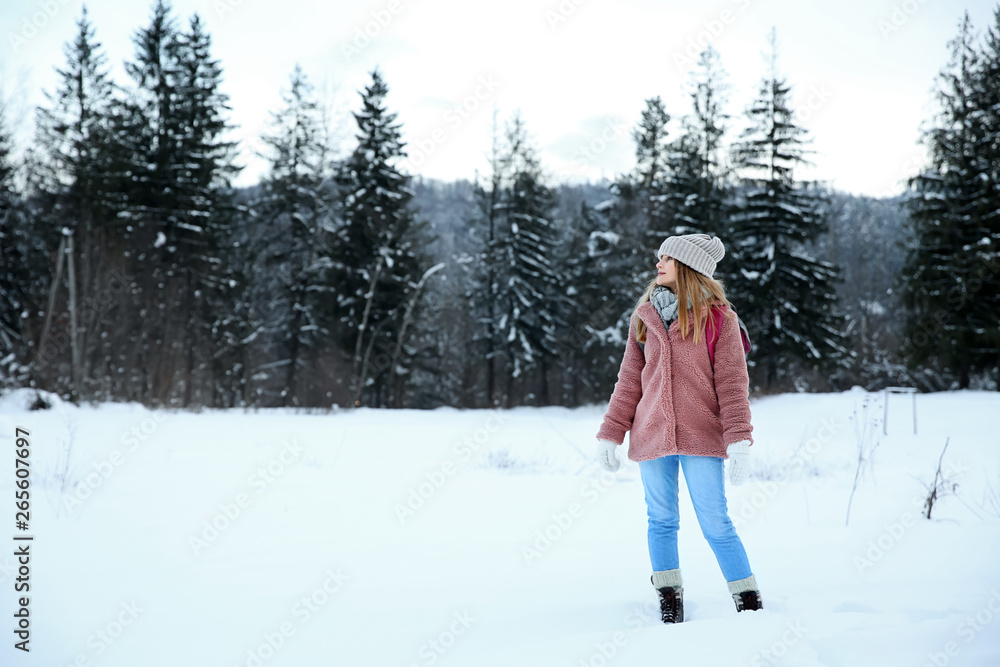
178,204
652,171
380,259
642,213
786,296
651,145
15,280
516,296
72,134
483,280
601,293
156,148
529,299
150,132
205,201
295,209
987,248
697,189
74,183
953,210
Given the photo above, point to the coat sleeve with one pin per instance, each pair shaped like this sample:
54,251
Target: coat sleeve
732,383
627,392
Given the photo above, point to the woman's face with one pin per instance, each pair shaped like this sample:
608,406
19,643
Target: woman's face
666,272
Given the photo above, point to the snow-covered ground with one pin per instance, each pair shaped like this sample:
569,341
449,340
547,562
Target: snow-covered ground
452,537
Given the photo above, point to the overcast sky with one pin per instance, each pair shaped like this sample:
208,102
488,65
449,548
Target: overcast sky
579,70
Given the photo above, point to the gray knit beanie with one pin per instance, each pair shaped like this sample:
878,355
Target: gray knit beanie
699,251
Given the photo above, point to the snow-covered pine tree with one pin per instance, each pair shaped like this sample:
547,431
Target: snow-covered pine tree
988,247
697,189
953,212
379,256
531,297
73,182
784,294
205,198
179,204
988,100
156,134
641,214
149,130
481,281
652,172
71,138
238,326
600,295
516,295
651,145
988,94
293,213
685,186
15,274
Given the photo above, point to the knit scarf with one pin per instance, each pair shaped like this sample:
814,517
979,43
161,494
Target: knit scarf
665,303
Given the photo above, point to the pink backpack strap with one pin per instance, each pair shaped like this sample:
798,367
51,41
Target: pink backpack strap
717,316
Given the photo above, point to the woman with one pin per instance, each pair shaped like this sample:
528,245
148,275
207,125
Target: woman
683,393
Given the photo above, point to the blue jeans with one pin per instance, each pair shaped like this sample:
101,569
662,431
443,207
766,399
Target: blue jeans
705,477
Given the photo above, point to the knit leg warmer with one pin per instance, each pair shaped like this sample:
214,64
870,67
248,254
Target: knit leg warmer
742,585
667,579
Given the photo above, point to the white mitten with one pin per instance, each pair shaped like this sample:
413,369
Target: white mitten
606,455
739,461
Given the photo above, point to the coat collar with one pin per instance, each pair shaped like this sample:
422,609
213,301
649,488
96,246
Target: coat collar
647,312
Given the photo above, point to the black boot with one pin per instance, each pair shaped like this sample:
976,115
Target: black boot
748,600
671,604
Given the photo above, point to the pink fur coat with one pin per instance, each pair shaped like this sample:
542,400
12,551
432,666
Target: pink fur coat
670,398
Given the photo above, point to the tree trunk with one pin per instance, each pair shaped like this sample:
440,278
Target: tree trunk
360,365
293,349
402,329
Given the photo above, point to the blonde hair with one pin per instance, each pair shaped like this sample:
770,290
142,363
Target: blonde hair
691,289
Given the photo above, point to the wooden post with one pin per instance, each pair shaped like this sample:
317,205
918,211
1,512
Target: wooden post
73,337
52,297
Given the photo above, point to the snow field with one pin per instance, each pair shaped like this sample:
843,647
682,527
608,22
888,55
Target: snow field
480,537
